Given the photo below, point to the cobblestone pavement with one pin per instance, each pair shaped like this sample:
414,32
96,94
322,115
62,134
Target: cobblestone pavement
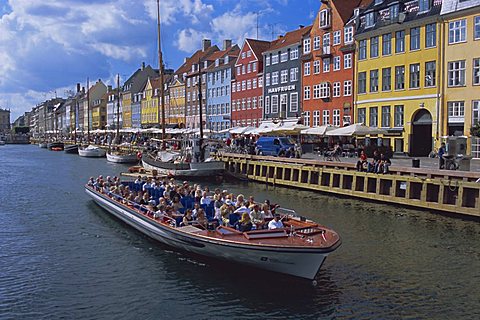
425,162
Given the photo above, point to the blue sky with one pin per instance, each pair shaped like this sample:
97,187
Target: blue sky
47,46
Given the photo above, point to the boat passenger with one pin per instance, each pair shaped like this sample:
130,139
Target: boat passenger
201,218
205,199
187,218
226,209
176,204
384,164
138,197
267,213
362,161
196,208
257,216
276,223
240,201
91,182
138,181
245,223
217,204
242,209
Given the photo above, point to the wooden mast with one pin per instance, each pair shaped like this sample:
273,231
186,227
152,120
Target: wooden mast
161,69
117,138
88,111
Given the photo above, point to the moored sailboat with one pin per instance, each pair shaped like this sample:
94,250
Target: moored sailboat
92,152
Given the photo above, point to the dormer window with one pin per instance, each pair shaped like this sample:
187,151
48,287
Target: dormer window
423,5
225,60
205,64
217,62
369,19
394,10
325,18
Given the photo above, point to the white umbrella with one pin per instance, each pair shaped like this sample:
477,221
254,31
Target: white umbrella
240,130
357,129
318,131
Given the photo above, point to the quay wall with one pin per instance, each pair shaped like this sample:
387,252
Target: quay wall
446,191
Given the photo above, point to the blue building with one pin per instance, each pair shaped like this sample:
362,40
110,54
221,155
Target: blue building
219,78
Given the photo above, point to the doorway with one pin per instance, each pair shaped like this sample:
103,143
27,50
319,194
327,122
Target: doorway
421,137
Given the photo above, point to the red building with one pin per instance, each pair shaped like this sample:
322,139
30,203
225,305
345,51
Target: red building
329,64
247,84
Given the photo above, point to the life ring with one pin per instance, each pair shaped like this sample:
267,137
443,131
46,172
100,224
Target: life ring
139,155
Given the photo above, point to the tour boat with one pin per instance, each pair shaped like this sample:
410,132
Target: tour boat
299,249
71,148
119,157
91,152
56,145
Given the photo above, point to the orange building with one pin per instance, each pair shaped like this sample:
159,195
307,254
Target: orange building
328,64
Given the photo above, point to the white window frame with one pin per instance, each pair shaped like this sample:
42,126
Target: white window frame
275,78
294,54
307,45
325,18
326,65
347,88
316,67
267,105
316,43
456,73
476,71
284,76
348,35
274,106
337,37
324,90
336,63
336,117
316,118
336,89
294,74
325,117
347,61
456,111
457,31
306,118
306,69
306,93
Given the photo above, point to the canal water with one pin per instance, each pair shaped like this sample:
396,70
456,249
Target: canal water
61,256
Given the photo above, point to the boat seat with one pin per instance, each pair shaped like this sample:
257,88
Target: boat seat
190,229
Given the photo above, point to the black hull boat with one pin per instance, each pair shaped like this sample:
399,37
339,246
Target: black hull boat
72,149
57,145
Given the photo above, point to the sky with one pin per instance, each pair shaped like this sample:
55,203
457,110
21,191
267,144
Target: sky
47,46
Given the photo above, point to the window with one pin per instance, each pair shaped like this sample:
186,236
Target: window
325,18
294,102
337,37
260,82
293,74
316,43
456,73
386,79
316,67
275,58
374,80
475,112
336,89
284,76
306,118
476,28
336,117
423,5
373,47
274,104
373,117
369,20
386,116
324,90
398,116
415,38
326,43
306,69
400,78
430,35
294,54
387,44
456,111
267,79
244,85
274,78
283,104
347,88
254,84
267,61
348,35
400,41
336,63
316,91
326,65
316,118
362,50
306,93
362,82
267,105
249,68
394,10
307,45
347,61
326,117
361,115
414,76
457,31
284,57
254,103
476,71
243,69
430,74
254,68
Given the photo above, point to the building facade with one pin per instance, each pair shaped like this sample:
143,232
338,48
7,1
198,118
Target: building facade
328,64
150,98
176,107
461,109
219,80
4,120
247,84
282,77
398,84
114,109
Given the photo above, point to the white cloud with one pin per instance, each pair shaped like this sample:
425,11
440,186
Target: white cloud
189,39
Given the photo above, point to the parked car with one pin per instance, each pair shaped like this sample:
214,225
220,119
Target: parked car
274,146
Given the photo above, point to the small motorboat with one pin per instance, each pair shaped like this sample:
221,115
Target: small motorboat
122,157
56,144
56,149
71,148
42,145
91,152
2,143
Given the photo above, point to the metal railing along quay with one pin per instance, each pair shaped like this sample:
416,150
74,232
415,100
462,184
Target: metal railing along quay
447,191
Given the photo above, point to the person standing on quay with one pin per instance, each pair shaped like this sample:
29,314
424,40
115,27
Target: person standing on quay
441,152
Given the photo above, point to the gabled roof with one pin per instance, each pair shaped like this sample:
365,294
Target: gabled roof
186,67
258,47
345,7
231,52
290,38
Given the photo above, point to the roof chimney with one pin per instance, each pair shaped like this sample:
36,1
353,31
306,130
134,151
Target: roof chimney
301,26
227,44
206,43
143,66
78,87
110,88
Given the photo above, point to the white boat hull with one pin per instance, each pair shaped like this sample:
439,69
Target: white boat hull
42,145
2,143
200,169
92,153
129,158
299,262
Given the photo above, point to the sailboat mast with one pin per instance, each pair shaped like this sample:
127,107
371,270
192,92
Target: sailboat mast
88,111
162,71
200,97
118,108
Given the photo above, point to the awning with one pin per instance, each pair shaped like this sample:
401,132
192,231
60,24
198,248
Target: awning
318,131
357,129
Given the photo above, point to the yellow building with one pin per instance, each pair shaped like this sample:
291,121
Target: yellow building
176,105
462,70
150,109
398,84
